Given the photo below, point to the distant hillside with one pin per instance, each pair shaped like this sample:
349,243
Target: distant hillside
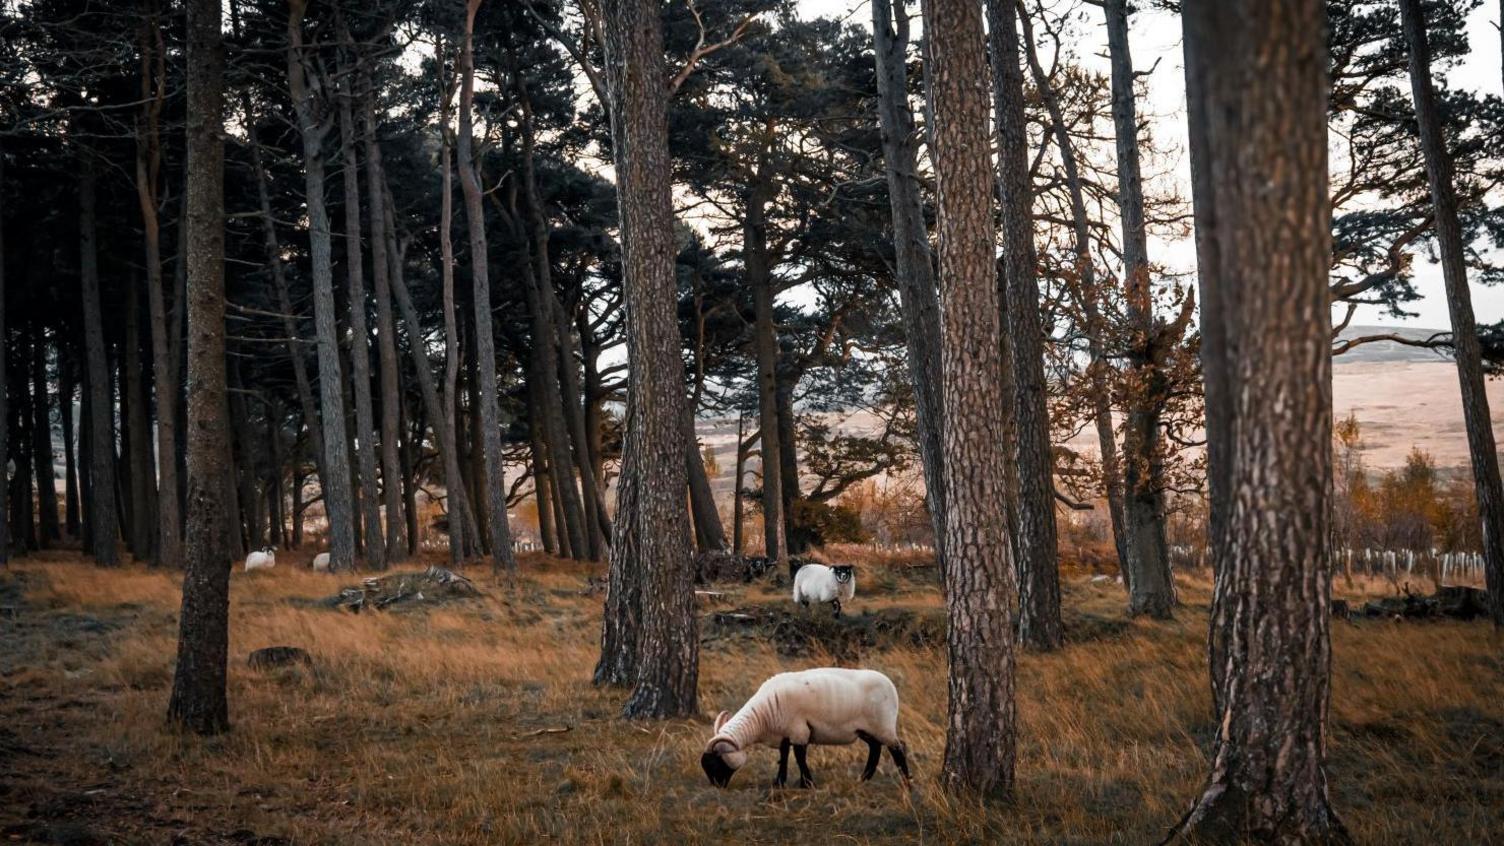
1388,351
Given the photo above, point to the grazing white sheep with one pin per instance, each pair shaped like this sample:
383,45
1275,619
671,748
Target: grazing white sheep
321,563
261,559
819,583
829,706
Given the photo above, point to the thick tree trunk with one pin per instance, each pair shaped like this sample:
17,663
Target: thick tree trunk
48,526
386,339
979,589
1150,587
911,246
1259,111
335,473
198,687
104,521
1475,412
788,460
652,542
360,338
493,476
765,333
1039,622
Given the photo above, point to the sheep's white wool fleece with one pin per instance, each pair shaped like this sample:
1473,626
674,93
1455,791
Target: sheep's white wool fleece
260,560
817,583
826,706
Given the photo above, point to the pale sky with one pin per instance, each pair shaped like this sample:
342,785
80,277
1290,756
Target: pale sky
1156,38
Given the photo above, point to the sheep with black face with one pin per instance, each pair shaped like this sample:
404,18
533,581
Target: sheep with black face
829,706
822,584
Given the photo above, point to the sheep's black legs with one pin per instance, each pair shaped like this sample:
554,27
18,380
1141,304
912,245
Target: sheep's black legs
874,752
805,779
836,604
783,764
900,759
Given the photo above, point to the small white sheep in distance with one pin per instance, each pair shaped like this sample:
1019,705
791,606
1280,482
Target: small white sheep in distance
828,706
261,559
321,563
819,583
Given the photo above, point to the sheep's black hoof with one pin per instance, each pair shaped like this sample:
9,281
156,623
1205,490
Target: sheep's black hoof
806,782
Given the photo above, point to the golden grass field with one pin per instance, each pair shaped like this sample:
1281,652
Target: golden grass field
476,723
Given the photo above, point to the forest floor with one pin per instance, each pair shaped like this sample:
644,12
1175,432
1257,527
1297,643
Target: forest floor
476,722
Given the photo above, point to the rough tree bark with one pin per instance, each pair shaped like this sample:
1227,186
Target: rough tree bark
313,125
911,248
1151,590
104,521
198,700
979,589
1259,118
652,542
360,338
164,357
386,340
493,473
1475,412
1039,622
66,389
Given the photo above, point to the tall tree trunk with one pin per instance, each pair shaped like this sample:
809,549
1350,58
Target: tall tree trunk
585,503
198,687
1216,361
104,522
48,527
459,548
386,337
1147,577
335,473
788,460
542,480
23,519
737,545
462,531
911,246
143,475
494,474
4,392
765,334
1089,297
163,358
360,337
709,534
66,383
1475,412
1039,625
979,589
1260,111
652,542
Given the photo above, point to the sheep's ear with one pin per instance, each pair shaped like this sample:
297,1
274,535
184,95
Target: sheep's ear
720,720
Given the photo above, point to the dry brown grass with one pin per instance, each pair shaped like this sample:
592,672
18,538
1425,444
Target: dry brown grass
425,726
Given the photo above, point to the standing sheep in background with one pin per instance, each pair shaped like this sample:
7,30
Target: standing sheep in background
321,563
827,706
819,583
261,559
